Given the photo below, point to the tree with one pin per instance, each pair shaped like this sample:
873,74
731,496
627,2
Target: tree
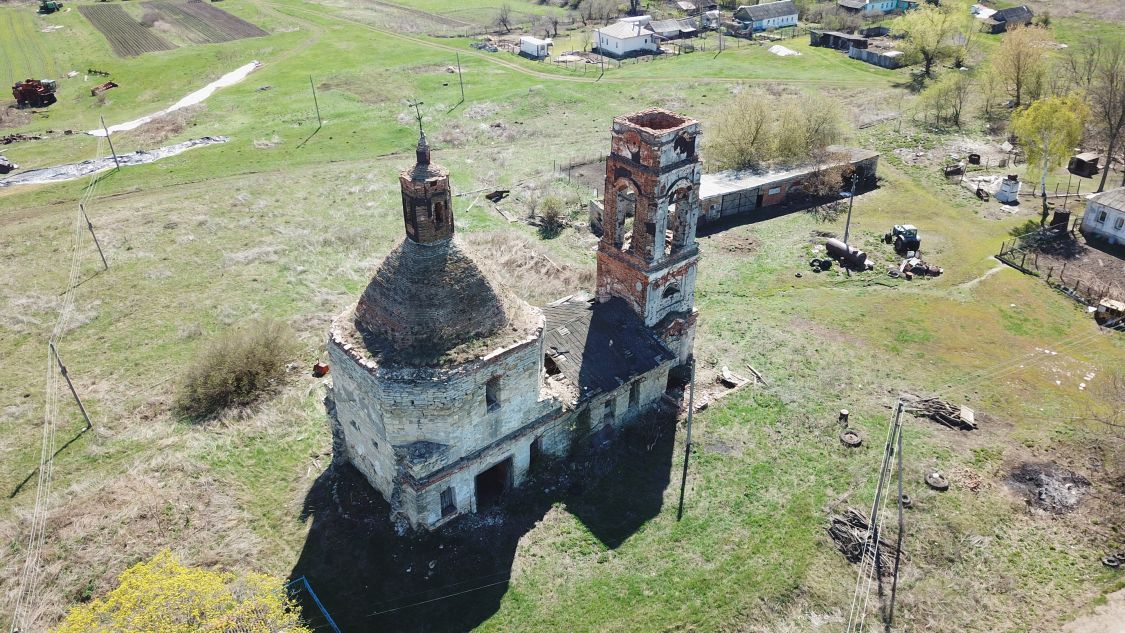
592,10
991,88
755,129
1107,98
164,595
966,35
504,17
1080,63
1022,59
1048,129
928,29
948,95
742,132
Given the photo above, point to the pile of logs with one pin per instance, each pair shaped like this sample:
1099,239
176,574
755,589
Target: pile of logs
850,531
941,411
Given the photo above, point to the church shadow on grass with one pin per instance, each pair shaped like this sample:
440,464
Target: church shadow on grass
371,579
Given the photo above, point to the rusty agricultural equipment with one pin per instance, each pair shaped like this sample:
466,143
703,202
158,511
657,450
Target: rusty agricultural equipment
34,93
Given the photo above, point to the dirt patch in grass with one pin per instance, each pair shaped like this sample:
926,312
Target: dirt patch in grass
1048,486
165,127
14,117
732,242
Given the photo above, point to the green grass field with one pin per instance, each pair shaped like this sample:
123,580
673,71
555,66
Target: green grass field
284,223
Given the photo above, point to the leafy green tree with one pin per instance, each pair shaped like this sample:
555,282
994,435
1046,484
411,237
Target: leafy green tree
929,29
164,596
1021,59
1048,129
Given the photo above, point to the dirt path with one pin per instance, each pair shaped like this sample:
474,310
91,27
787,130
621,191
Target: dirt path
1108,618
990,272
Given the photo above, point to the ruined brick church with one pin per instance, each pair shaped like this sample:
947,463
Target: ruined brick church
447,387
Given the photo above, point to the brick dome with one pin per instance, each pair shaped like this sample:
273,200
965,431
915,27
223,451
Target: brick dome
428,299
430,302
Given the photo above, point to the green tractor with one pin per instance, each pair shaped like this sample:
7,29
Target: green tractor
49,6
904,237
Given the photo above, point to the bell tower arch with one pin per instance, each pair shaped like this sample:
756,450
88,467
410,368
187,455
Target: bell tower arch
648,255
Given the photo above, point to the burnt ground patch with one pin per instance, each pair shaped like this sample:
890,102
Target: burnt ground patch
370,578
1048,486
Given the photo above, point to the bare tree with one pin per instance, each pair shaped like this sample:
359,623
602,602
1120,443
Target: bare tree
1080,62
504,17
1107,98
553,21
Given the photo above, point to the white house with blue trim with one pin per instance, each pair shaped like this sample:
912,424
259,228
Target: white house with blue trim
769,15
876,7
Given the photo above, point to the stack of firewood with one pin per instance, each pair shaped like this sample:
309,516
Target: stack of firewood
850,531
940,411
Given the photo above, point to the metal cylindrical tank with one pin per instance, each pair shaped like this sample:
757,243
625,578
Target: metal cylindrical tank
851,255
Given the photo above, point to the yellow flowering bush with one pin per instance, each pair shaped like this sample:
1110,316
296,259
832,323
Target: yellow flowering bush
163,596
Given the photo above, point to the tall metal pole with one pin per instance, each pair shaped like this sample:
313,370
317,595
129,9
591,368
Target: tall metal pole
110,141
459,79
901,531
62,369
851,202
90,226
319,122
687,443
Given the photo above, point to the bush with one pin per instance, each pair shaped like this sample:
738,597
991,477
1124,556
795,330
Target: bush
164,595
552,214
236,369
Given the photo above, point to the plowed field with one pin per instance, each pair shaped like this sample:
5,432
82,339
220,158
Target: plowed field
128,37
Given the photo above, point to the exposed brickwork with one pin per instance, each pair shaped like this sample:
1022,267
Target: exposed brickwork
438,372
652,174
427,205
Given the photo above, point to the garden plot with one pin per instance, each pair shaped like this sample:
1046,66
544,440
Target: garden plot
203,23
192,22
128,37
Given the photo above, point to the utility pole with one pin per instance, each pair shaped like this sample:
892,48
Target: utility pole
687,443
459,79
319,122
62,370
110,141
851,202
901,528
90,226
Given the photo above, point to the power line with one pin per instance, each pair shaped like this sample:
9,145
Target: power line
28,586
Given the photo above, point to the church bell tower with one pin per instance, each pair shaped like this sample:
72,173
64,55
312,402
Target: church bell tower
648,254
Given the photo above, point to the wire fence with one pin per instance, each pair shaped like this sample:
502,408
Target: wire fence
1054,253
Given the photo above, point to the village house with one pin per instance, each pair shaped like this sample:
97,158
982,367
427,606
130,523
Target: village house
875,7
999,21
769,15
533,47
675,28
446,388
1105,216
625,38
